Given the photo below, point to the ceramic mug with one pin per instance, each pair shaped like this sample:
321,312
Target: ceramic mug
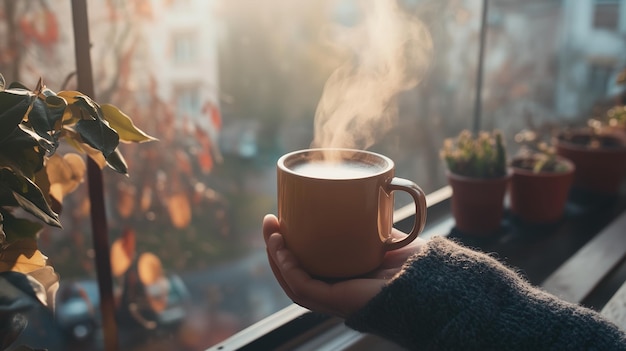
336,212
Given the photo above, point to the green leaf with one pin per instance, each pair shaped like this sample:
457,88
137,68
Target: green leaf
28,196
13,106
123,125
88,105
24,162
48,92
43,182
19,228
31,162
55,102
98,135
116,162
49,146
38,207
72,115
43,117
6,197
18,86
20,153
21,138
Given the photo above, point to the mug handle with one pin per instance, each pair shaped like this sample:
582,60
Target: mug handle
419,198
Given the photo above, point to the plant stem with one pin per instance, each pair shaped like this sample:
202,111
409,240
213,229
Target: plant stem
95,183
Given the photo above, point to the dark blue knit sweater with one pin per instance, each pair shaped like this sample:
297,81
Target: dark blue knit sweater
452,298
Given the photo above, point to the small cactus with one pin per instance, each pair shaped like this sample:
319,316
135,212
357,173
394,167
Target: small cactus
483,156
536,155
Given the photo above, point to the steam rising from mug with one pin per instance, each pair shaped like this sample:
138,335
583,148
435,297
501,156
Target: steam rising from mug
389,53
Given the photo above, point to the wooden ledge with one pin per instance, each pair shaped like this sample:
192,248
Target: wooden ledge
582,272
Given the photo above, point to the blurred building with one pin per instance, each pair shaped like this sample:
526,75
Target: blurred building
592,53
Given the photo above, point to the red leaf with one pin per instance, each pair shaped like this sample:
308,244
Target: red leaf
129,242
205,160
50,34
214,115
183,163
179,209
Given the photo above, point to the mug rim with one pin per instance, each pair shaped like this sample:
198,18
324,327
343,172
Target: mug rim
389,164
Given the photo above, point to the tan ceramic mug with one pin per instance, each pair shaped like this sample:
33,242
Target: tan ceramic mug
336,212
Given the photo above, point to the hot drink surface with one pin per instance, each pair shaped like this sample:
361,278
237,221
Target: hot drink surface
336,170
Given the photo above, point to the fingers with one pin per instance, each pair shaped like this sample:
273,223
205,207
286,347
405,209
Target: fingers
282,260
292,276
270,226
287,272
278,275
339,299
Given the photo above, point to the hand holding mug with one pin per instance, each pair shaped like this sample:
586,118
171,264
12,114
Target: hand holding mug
339,298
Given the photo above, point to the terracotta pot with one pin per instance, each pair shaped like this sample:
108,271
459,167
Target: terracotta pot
617,129
477,203
540,198
598,169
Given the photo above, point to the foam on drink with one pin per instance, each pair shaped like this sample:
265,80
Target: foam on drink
336,170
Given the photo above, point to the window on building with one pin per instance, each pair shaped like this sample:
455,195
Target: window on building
599,76
185,47
188,100
606,14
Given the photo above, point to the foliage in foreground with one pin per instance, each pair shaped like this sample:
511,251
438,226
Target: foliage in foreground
34,178
33,124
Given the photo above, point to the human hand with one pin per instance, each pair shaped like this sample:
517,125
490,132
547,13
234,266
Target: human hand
337,298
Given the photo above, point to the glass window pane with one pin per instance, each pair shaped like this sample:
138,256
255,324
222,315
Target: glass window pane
545,68
228,87
198,195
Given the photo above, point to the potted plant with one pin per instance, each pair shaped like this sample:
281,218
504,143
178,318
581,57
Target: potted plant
616,118
34,178
477,172
599,156
540,182
612,121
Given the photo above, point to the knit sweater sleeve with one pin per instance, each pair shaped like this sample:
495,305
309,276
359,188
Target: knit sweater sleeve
448,297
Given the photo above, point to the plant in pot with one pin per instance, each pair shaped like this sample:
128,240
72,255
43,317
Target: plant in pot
616,116
478,174
599,155
540,182
613,120
34,178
